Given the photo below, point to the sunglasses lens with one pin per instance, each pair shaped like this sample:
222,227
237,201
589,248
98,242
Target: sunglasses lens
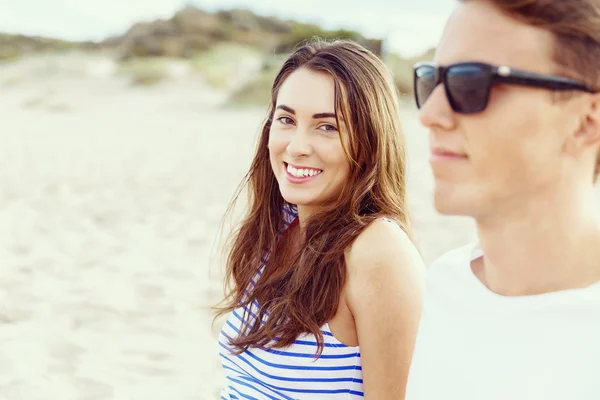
468,87
425,81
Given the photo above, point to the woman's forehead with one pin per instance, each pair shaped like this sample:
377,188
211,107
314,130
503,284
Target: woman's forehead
308,92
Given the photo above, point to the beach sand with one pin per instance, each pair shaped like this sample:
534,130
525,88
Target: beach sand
110,202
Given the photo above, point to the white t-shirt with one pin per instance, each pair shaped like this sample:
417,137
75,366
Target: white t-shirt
474,344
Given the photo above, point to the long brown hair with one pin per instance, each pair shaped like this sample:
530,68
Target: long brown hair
301,292
575,26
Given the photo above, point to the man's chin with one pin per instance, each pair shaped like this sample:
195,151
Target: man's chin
448,203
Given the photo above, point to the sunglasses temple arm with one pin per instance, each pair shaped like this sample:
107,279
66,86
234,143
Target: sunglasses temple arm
542,82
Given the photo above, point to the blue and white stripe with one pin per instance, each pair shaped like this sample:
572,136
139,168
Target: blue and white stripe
293,372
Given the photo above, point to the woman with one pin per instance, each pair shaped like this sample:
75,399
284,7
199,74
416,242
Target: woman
324,258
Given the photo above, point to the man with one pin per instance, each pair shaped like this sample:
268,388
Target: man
514,117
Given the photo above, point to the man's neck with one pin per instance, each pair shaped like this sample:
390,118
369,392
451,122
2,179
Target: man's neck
541,247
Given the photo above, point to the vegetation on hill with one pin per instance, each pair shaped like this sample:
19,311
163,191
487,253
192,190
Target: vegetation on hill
192,31
15,46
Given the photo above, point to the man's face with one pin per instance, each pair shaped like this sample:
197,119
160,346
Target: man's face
513,151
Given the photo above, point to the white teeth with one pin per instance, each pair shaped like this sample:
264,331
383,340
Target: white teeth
302,172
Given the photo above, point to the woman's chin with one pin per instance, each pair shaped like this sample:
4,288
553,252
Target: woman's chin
299,199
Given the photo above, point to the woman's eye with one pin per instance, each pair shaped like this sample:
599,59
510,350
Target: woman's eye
285,120
328,128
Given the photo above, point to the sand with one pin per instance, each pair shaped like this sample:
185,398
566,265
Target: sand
110,201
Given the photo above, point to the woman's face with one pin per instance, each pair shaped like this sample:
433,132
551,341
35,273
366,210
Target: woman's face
305,146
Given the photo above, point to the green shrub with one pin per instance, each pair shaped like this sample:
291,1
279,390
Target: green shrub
257,92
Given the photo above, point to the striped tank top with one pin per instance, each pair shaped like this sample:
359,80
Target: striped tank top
292,372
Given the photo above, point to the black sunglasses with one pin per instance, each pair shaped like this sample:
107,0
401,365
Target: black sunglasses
468,84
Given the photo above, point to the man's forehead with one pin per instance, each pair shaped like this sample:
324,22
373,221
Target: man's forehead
477,31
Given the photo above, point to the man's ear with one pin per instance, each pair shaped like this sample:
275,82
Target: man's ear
587,130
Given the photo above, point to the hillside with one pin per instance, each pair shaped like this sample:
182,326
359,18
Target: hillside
234,50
